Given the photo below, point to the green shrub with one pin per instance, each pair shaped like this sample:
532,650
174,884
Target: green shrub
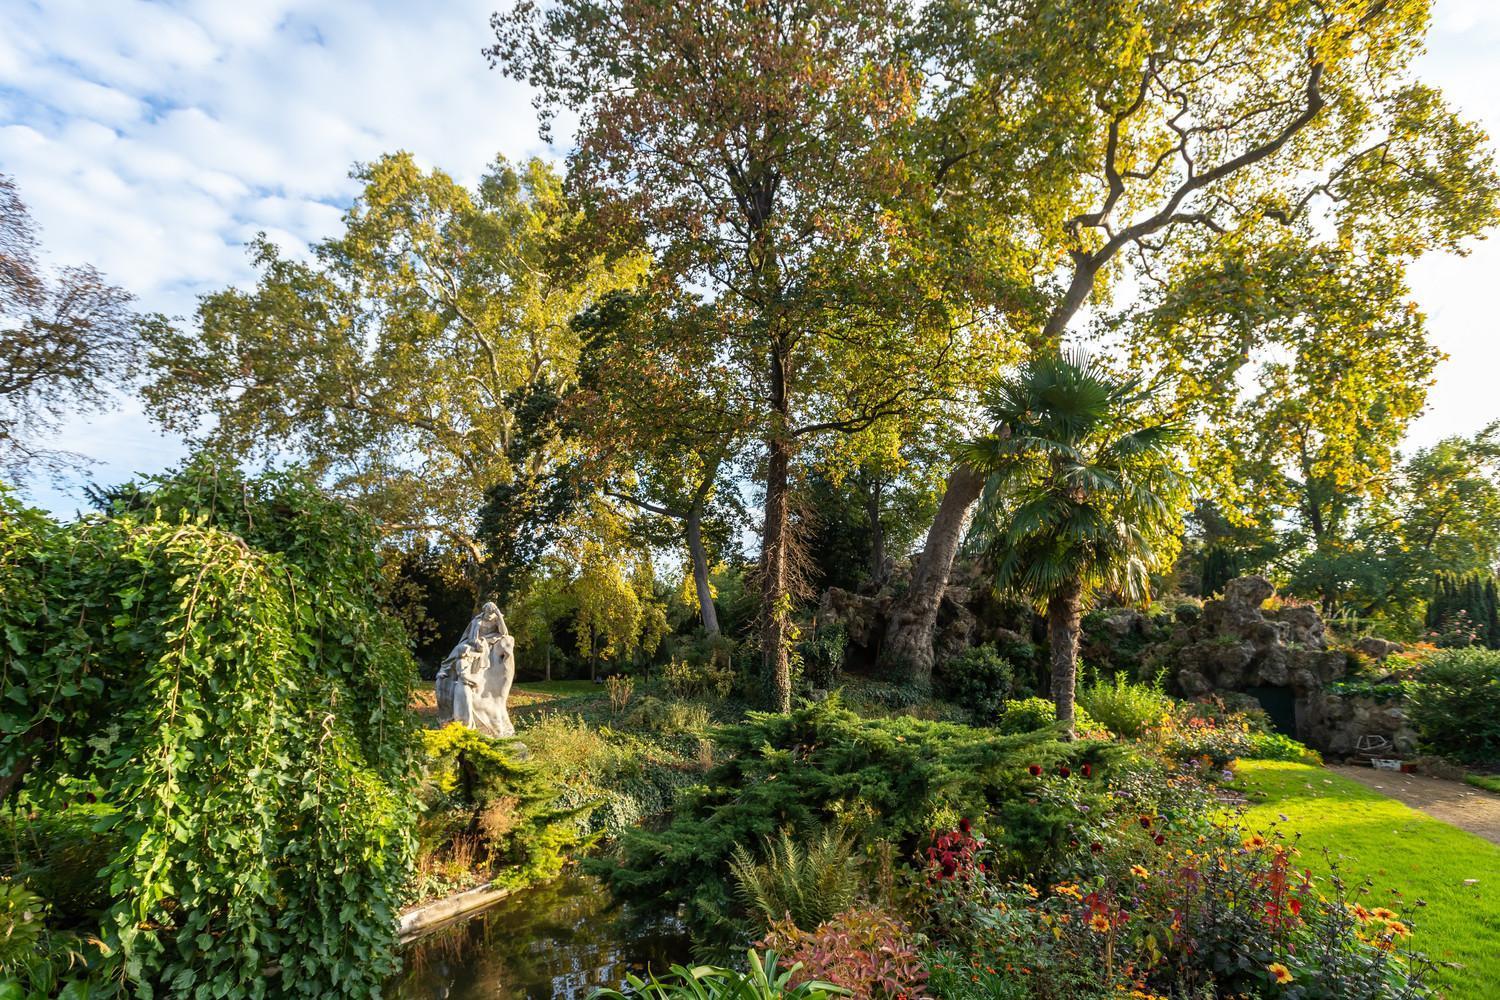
1455,704
632,776
669,717
709,679
807,883
1029,715
979,679
485,788
62,857
1275,746
213,657
884,779
1125,709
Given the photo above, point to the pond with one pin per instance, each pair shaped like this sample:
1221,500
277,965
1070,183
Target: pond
562,939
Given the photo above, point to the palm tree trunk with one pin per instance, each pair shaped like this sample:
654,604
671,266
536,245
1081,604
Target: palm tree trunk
908,634
1062,642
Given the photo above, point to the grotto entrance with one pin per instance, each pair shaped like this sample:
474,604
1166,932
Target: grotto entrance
1280,704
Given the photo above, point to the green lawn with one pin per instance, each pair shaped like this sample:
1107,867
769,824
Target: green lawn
567,689
1401,849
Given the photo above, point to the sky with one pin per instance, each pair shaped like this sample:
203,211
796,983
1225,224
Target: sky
154,140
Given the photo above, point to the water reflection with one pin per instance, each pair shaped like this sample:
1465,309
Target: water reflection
561,939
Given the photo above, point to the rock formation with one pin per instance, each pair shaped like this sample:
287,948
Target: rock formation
473,683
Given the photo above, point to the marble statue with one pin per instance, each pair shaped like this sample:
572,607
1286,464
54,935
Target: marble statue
473,683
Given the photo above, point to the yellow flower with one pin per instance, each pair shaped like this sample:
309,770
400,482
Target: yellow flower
1064,889
1139,872
1029,889
1255,841
1099,923
1381,913
1360,912
1280,973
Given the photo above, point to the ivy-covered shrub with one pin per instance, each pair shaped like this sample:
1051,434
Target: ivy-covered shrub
212,658
884,779
979,678
1455,704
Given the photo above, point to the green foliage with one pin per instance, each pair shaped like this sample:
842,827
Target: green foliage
1455,704
979,679
889,779
485,787
1489,782
764,981
21,923
1125,709
712,678
669,717
822,655
1462,611
61,855
1220,565
806,883
632,776
213,659
1030,715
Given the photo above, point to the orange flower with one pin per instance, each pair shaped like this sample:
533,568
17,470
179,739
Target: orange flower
1381,913
1280,973
1397,928
1064,889
1099,923
1139,872
1255,841
1360,912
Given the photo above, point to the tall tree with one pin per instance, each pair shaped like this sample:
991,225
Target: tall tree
67,340
753,146
1147,131
1081,494
416,360
661,420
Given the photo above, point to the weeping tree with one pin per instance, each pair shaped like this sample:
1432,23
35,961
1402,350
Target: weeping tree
1082,494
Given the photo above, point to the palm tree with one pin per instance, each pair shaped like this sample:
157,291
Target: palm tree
1081,495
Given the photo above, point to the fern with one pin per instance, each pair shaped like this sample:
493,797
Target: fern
807,883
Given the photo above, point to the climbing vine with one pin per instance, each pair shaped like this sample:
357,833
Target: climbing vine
209,660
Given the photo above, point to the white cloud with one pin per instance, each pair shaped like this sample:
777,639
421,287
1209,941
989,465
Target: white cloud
153,139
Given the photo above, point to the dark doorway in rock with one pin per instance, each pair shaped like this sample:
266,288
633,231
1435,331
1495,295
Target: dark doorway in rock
1280,704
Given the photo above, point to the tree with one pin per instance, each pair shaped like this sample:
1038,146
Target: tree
416,361
1081,495
660,419
1099,142
66,341
753,147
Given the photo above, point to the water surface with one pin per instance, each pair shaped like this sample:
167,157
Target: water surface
562,939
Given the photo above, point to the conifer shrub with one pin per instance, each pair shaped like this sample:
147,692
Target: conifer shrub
884,779
484,788
212,658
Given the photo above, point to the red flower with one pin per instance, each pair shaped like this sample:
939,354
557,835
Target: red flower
964,824
1088,770
1296,906
1063,770
1096,847
1159,839
1036,770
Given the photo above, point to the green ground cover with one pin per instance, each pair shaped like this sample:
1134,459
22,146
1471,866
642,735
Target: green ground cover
1403,851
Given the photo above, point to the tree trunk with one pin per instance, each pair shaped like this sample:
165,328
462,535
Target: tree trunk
775,602
877,533
1062,642
707,613
548,666
908,634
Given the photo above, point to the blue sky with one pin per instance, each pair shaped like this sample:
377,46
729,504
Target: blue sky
154,139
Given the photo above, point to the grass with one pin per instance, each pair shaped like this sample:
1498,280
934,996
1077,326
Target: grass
1489,782
1408,855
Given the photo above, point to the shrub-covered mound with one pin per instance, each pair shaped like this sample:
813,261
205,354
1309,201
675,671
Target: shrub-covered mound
209,663
889,780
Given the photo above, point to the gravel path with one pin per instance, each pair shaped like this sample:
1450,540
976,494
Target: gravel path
1464,806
